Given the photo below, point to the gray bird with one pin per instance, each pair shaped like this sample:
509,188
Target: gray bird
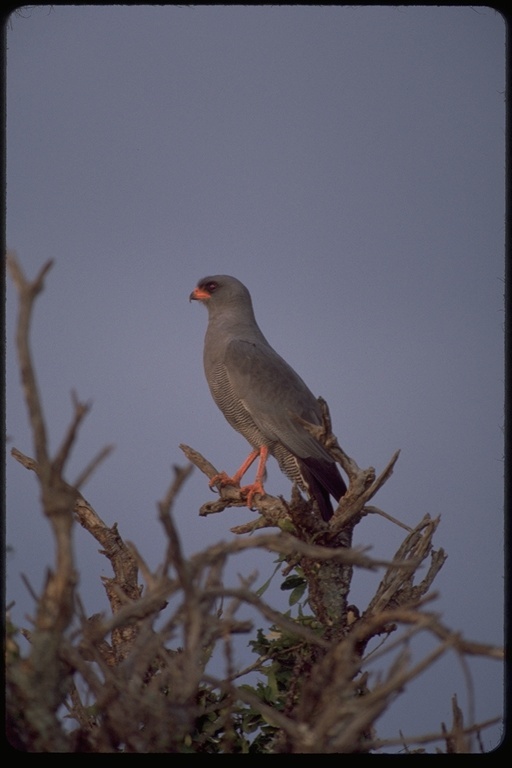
261,395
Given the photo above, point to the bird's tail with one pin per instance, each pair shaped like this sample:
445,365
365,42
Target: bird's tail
323,480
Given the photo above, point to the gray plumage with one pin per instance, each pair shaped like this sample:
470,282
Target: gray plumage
260,394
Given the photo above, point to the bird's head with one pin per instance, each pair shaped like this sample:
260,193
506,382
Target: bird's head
220,292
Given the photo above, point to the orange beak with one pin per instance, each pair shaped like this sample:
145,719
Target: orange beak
198,295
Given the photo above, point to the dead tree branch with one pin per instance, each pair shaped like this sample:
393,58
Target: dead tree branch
40,686
320,685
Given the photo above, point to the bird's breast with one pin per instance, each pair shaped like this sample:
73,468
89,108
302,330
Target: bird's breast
232,407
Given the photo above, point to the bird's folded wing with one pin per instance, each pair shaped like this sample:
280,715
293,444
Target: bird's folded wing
274,395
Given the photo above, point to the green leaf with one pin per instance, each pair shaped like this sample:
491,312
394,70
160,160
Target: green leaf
291,582
266,585
297,594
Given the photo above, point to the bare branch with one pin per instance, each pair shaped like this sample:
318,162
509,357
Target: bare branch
81,410
25,461
425,738
174,553
27,293
86,473
148,660
370,509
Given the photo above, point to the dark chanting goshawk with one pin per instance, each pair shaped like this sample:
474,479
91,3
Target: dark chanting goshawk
261,396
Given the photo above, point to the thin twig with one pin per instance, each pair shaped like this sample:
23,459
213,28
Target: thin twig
27,293
80,412
91,467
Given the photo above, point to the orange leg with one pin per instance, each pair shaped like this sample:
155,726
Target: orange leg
225,479
257,486
245,466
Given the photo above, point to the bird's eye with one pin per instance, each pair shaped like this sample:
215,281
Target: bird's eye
211,286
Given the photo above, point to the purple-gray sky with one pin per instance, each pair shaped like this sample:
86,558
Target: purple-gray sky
347,164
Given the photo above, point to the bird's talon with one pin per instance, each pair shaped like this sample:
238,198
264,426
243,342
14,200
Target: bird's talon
221,479
251,491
